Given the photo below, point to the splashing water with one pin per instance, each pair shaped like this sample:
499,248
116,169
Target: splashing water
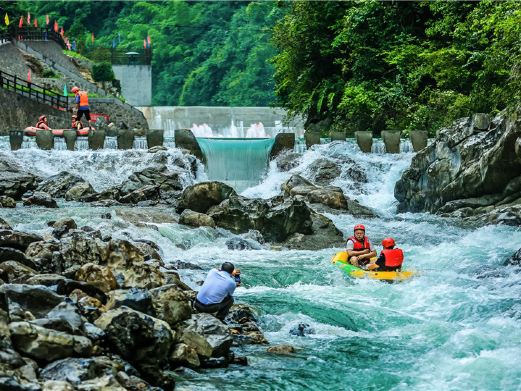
455,326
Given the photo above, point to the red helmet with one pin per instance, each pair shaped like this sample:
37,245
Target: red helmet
359,226
388,243
42,117
75,89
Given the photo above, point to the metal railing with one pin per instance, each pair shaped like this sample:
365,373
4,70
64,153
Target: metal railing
37,34
33,91
119,56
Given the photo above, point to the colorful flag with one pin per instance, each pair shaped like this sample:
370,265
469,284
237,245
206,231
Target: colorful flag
46,20
29,75
21,22
145,43
35,22
28,18
62,32
65,90
92,38
148,40
6,19
55,26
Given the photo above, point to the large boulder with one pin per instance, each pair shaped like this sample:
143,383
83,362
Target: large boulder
15,272
38,300
39,198
467,172
45,344
18,240
324,171
201,196
171,304
58,185
98,276
138,338
135,298
207,335
14,181
156,179
276,219
195,219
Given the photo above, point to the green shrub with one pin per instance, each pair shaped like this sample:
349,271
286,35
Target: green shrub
102,72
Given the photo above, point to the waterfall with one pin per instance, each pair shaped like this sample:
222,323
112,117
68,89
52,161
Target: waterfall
241,163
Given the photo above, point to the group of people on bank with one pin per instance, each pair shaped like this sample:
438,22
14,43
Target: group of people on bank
216,293
81,99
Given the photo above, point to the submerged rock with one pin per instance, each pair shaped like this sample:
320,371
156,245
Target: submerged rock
281,349
515,259
60,184
196,219
40,198
14,181
301,330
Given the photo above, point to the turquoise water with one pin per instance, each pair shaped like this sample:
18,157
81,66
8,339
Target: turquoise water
456,326
240,163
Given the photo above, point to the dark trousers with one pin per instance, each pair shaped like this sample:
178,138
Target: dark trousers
81,112
221,308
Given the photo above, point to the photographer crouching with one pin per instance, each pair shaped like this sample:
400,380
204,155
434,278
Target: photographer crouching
216,294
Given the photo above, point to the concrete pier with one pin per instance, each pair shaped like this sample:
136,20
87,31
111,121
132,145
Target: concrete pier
16,138
418,139
155,137
45,139
70,137
364,139
125,139
391,140
96,139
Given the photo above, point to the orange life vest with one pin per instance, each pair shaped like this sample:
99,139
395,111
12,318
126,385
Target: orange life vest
393,257
358,245
84,98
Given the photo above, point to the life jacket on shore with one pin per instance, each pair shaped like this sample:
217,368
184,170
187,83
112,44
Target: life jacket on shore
358,245
393,257
84,98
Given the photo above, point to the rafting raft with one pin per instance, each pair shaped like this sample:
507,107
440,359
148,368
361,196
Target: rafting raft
340,261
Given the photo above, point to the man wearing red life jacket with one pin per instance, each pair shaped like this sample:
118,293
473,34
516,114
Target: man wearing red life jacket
82,104
390,258
359,248
42,123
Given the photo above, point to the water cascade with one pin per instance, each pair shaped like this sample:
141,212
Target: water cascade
241,163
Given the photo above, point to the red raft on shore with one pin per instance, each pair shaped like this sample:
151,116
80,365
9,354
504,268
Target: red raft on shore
31,131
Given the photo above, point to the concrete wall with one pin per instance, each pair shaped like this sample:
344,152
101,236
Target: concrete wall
170,118
136,83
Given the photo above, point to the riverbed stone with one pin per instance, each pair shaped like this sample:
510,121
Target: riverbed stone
14,272
139,338
38,300
47,345
201,196
40,198
323,171
196,219
7,202
135,298
14,181
58,185
281,349
171,304
79,191
515,259
4,225
207,334
18,240
182,354
99,276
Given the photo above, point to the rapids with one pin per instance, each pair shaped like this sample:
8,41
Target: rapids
456,326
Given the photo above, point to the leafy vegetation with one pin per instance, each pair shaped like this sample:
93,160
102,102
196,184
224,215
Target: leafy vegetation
407,65
102,72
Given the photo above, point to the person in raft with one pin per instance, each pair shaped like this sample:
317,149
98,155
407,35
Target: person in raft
359,249
76,124
390,258
42,123
216,293
82,104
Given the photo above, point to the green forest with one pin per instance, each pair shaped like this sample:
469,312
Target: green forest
347,66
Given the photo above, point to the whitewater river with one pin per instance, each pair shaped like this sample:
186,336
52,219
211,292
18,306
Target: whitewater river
456,326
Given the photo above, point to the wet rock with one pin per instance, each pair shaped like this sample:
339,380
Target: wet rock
237,243
68,286
196,219
4,225
186,265
107,382
57,385
276,220
201,196
158,176
137,337
39,198
145,193
62,226
80,248
296,181
182,354
47,345
45,279
149,249
129,267
38,300
281,349
7,202
12,254
324,171
13,384
208,335
14,181
288,160
214,362
14,272
66,314
243,325
137,299
157,148
79,191
171,304
18,240
301,330
515,259
58,185
98,276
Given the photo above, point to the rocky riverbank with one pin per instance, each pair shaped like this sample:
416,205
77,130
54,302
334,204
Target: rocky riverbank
79,310
471,172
